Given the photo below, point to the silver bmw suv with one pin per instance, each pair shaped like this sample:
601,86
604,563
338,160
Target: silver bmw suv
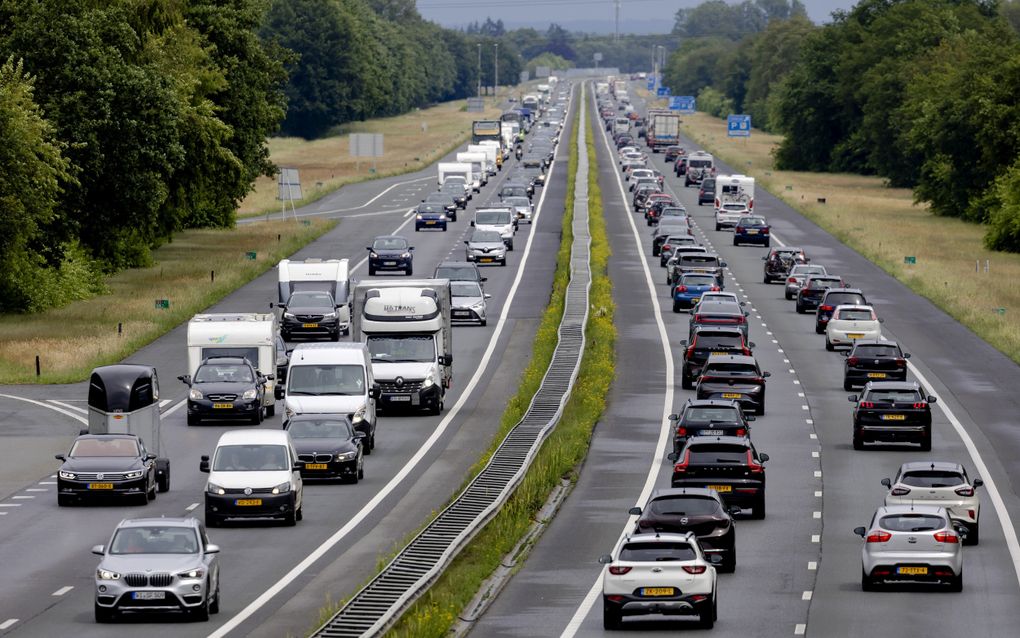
157,565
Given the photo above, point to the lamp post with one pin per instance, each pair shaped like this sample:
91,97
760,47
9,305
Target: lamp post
479,69
495,82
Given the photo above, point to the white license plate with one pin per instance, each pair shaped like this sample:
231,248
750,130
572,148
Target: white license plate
752,232
148,595
400,398
710,432
389,263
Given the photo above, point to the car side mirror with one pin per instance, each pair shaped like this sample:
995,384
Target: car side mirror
271,304
806,260
368,248
722,264
764,458
764,258
212,549
150,457
752,345
634,511
932,399
733,510
852,398
472,222
671,456
714,559
410,248
203,465
484,279
766,374
375,391
98,550
977,483
881,320
289,352
466,242
844,353
906,355
674,417
298,466
605,559
185,379
60,457
487,296
446,359
887,483
683,342
272,377
860,531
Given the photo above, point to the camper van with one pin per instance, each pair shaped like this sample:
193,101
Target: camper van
325,275
251,336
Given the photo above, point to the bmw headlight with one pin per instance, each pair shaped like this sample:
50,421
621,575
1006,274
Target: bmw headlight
428,382
192,573
289,315
133,475
195,394
212,488
67,475
282,488
250,394
346,456
105,574
359,415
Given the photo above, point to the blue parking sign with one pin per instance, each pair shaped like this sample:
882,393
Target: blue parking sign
651,82
682,103
738,126
663,91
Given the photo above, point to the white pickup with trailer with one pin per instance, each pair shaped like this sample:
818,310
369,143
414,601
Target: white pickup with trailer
479,176
328,275
408,328
249,335
491,151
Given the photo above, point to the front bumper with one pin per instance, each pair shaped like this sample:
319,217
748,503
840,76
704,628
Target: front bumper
80,489
333,469
467,315
239,408
323,327
183,594
483,257
389,263
415,399
262,505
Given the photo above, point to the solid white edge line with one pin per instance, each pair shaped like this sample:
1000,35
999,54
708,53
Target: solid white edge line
658,455
48,406
410,465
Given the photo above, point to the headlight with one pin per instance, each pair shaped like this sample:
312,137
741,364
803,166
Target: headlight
133,475
329,315
195,394
289,412
250,394
428,382
373,255
212,488
289,315
192,573
478,306
282,488
67,475
406,255
105,574
420,217
346,456
359,415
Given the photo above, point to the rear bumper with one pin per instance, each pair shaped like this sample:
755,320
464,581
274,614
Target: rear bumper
685,605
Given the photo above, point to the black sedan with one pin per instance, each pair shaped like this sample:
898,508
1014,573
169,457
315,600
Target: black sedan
892,412
733,377
390,253
225,388
310,313
697,510
811,293
729,465
328,445
708,417
874,360
445,199
110,465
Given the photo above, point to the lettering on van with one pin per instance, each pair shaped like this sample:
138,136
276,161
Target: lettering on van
400,309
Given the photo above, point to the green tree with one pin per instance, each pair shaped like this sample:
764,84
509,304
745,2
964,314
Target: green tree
774,54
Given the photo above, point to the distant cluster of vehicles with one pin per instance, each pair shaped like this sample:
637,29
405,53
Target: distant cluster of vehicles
241,365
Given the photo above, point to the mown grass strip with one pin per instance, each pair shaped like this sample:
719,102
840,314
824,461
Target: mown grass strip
196,270
565,448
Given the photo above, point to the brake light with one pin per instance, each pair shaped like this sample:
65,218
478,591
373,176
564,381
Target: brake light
965,491
740,319
852,362
791,280
697,318
900,491
765,231
618,570
741,432
867,404
681,288
738,229
682,465
878,536
690,351
666,247
901,363
681,431
753,465
920,405
714,289
946,537
695,569
750,205
747,351
826,308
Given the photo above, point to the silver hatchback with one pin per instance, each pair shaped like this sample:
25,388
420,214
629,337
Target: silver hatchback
912,544
157,565
485,247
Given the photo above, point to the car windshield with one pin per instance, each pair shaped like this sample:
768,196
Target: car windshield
389,243
457,273
709,341
656,552
844,298
320,429
684,506
733,369
326,380
752,221
430,208
104,447
699,260
721,414
498,218
401,348
486,237
698,163
803,270
876,351
823,283
223,373
893,396
518,201
672,211
156,539
465,289
311,299
250,458
698,280
932,478
854,315
714,453
911,522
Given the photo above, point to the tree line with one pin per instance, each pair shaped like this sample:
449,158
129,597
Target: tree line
919,92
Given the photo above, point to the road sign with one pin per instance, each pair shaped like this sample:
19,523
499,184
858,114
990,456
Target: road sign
542,71
288,185
663,91
476,104
370,144
525,76
683,103
597,57
738,126
910,259
651,82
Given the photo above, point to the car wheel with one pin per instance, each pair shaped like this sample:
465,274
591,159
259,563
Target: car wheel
858,442
758,509
926,442
201,614
213,520
611,618
956,584
800,309
867,583
104,615
788,296
300,513
686,382
819,329
848,386
829,346
410,271
214,606
768,243
483,323
444,229
335,336
290,519
361,469
718,227
735,242
193,419
256,418
973,534
676,307
729,564
271,410
511,246
706,618
766,279
417,229
760,408
151,494
502,262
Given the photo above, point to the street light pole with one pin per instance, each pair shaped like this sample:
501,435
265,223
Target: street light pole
479,69
495,59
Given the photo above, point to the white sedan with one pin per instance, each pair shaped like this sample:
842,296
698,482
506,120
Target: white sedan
942,484
665,574
850,323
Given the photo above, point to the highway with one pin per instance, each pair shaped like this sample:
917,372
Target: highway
798,571
275,579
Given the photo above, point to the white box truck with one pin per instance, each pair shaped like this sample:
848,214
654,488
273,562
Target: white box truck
407,326
479,176
490,151
249,335
328,275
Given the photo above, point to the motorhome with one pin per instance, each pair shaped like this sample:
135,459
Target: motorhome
458,170
491,152
734,189
699,166
248,335
326,275
479,175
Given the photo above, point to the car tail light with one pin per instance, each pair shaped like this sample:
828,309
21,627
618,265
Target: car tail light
920,405
901,363
681,431
747,351
878,571
765,231
714,289
750,205
666,247
614,597
867,404
695,569
681,288
971,514
753,465
900,491
690,351
618,570
965,491
738,229
740,319
826,308
942,571
878,536
791,280
682,465
946,537
741,432
852,362
697,318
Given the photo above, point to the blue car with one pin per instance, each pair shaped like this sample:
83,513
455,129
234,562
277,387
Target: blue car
431,216
752,230
688,290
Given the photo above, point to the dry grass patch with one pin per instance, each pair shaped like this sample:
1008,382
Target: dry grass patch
75,338
885,225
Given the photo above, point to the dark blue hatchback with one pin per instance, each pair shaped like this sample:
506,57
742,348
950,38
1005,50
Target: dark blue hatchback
752,230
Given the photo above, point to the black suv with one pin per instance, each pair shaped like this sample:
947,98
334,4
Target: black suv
225,388
873,360
779,261
892,411
673,152
729,465
310,313
708,417
698,510
810,294
836,297
390,252
98,465
706,341
734,377
706,192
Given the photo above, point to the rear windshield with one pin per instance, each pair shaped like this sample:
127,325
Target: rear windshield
876,351
698,163
847,298
718,453
752,221
894,396
699,260
464,273
657,552
854,315
932,478
720,414
717,341
801,269
698,280
684,506
912,522
494,218
823,283
740,369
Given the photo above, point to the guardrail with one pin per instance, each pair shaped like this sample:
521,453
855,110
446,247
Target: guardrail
379,604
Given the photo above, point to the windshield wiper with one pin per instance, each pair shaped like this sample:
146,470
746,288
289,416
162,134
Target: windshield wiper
304,392
338,394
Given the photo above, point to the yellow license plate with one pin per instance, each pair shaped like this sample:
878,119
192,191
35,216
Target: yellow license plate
486,260
721,488
430,223
695,299
248,502
854,335
722,353
877,375
222,406
100,486
894,417
730,395
912,571
315,466
309,325
752,232
657,591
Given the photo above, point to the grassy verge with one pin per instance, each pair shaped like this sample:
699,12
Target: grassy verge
75,338
563,451
885,225
412,141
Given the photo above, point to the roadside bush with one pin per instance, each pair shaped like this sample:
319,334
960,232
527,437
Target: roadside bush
713,102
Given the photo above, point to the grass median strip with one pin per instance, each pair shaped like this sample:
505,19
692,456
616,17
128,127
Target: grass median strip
196,270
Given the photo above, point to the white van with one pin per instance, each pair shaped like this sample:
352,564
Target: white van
333,378
253,474
249,335
500,220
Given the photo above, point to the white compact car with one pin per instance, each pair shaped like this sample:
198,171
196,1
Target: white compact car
850,323
940,484
727,215
912,544
665,574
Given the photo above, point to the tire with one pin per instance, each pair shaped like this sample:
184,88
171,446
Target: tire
819,329
361,470
290,519
706,618
271,410
201,614
867,583
768,243
788,296
511,246
194,420
409,271
926,443
729,565
973,534
800,309
335,336
213,520
858,442
151,494
829,346
847,386
686,381
956,584
214,606
758,509
163,483
766,279
735,242
142,499
718,227
256,418
483,323
502,262
676,307
300,513
760,410
104,615
611,618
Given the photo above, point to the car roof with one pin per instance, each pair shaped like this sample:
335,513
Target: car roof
111,435
875,342
734,440
235,361
857,291
731,358
892,385
377,237
168,521
661,537
917,466
240,437
854,306
672,492
710,403
456,263
911,509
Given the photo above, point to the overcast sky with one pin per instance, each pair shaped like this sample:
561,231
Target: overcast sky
636,16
